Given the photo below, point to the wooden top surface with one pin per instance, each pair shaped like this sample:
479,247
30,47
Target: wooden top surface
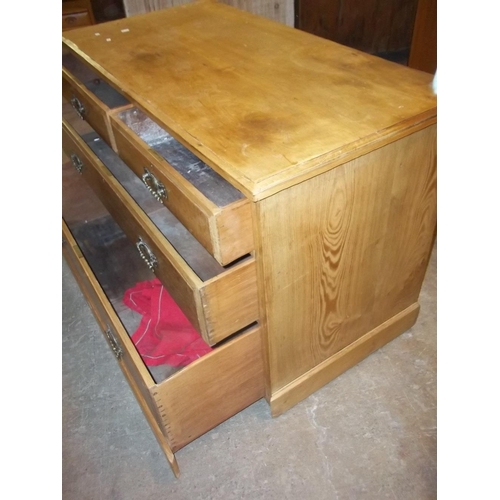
264,104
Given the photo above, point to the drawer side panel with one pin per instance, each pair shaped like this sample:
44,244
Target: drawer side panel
234,232
231,304
212,389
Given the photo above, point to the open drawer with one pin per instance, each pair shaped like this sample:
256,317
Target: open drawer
92,98
214,211
218,301
180,404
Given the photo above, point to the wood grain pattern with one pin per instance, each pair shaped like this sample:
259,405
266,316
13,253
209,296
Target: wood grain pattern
265,106
342,253
211,389
308,383
277,10
226,232
236,303
230,302
232,232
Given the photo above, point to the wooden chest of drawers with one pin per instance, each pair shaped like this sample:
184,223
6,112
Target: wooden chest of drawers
280,186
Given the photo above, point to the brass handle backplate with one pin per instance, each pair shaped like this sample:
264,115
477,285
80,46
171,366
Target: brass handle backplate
147,255
155,187
77,163
114,344
78,106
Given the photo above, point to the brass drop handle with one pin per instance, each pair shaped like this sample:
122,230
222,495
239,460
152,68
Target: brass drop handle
155,187
78,106
77,163
147,255
114,344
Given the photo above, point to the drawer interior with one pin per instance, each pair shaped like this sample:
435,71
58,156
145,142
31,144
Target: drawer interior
93,82
214,187
192,252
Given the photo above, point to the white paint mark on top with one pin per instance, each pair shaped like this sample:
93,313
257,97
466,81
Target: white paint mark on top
126,30
97,34
108,39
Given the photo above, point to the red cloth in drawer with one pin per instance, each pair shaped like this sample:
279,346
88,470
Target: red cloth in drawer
165,335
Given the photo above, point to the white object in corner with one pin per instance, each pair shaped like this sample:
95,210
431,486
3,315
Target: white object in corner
435,82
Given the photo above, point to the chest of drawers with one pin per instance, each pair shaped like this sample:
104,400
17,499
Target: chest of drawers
281,187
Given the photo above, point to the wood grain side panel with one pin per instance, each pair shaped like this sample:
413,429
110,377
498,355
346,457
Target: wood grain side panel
231,304
211,389
344,252
337,364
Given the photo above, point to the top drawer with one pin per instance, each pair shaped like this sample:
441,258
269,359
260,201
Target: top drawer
92,98
215,212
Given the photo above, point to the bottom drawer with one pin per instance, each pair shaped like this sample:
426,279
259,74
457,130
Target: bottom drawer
180,404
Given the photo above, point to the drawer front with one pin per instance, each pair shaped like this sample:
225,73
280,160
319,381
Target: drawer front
216,307
86,105
212,389
75,20
225,231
